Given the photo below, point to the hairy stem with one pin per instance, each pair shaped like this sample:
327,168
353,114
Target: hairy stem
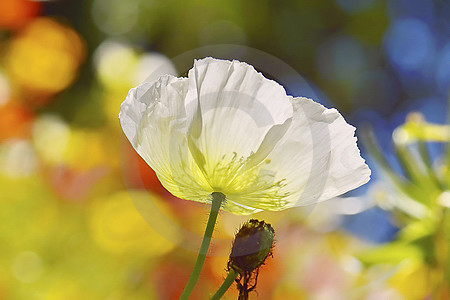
217,200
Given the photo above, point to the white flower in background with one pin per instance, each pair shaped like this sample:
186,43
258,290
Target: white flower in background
17,158
226,128
120,65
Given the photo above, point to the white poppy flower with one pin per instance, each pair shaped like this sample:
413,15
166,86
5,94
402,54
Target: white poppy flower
226,128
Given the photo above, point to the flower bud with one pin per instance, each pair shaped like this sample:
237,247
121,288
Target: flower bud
252,244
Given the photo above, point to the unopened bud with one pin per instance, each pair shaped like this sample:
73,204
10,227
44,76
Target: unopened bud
251,246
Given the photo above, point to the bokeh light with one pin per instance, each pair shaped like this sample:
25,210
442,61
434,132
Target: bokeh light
17,158
118,227
27,267
51,130
4,89
418,9
44,57
115,17
443,69
341,58
82,216
410,44
15,122
16,13
115,64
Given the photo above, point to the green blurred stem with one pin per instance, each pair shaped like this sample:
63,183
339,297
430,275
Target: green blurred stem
446,245
217,199
425,155
225,285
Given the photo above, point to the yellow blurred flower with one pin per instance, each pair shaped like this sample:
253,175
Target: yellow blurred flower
44,57
87,149
416,128
413,280
119,228
65,289
80,149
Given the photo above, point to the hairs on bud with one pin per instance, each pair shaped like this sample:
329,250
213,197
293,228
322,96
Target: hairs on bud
252,245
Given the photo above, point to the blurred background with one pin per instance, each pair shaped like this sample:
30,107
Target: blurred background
70,182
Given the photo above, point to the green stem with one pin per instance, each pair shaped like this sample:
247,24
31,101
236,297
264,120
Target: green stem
217,199
232,274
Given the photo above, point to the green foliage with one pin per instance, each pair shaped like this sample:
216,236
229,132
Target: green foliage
421,202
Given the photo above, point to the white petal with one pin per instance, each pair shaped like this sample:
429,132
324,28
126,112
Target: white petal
154,120
345,169
316,160
235,118
228,129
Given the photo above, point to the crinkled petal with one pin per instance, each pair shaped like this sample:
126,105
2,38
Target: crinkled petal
235,118
228,129
154,120
317,159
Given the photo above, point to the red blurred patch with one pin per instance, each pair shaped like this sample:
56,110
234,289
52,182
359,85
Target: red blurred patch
323,274
170,279
269,275
149,178
16,13
74,185
140,175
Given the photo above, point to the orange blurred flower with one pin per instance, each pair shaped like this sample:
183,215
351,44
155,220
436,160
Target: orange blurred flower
16,13
15,121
